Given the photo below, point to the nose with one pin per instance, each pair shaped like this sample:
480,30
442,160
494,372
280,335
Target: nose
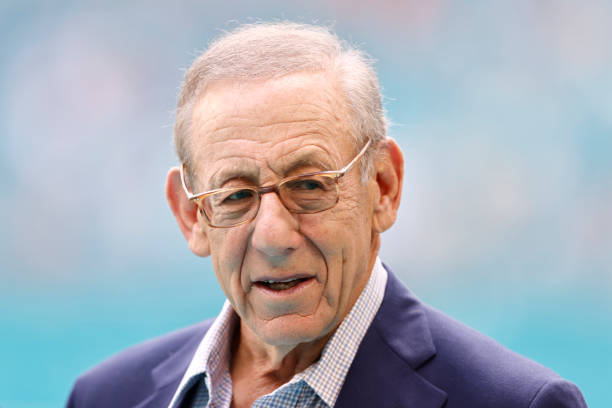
275,230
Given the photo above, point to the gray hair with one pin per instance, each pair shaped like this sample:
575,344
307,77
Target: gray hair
272,50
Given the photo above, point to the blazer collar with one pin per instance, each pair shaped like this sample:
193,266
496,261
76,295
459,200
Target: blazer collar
384,372
167,375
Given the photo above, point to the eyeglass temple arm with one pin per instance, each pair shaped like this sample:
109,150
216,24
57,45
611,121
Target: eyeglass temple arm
182,171
355,159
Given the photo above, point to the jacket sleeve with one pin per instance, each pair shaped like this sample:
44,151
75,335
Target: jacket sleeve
75,399
558,394
72,399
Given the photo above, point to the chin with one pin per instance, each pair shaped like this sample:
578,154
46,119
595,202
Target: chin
291,330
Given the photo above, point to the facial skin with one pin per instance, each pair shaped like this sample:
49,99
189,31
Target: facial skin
258,133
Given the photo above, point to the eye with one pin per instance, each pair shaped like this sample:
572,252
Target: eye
306,184
238,196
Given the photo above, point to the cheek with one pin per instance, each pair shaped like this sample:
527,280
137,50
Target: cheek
227,246
333,237
346,244
227,249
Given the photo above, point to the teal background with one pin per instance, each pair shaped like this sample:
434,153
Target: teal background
503,111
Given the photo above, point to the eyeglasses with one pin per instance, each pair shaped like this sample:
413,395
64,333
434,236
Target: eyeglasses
303,194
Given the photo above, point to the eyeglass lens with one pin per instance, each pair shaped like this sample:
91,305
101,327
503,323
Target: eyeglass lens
308,194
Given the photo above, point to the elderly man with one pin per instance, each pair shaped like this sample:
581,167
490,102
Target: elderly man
287,180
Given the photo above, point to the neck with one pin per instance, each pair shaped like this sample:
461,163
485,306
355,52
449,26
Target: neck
278,363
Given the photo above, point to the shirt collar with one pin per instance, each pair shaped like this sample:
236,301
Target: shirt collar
325,376
212,355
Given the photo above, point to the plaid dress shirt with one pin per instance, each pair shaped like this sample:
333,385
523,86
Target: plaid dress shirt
316,387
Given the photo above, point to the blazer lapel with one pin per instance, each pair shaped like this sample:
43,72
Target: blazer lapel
168,374
384,371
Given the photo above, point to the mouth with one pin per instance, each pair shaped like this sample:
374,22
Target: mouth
282,285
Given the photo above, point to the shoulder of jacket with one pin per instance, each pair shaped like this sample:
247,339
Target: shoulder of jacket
129,368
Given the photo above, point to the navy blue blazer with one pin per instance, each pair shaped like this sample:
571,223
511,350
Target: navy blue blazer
412,356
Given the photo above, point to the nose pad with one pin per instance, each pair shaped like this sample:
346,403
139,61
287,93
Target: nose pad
275,228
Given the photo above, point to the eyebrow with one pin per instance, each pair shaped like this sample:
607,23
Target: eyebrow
237,169
293,162
233,171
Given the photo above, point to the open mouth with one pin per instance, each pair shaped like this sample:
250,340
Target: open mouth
281,285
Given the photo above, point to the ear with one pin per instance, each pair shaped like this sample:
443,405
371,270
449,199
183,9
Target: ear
389,175
186,214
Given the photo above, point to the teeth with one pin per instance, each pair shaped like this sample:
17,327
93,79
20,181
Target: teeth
280,281
282,284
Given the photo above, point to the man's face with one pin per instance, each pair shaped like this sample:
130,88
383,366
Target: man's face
257,133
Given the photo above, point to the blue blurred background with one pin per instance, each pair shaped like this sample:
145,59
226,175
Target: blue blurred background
503,110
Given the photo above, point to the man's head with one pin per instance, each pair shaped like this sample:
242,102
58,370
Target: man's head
265,51
268,102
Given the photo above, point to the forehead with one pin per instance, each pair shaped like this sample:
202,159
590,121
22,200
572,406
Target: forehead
271,125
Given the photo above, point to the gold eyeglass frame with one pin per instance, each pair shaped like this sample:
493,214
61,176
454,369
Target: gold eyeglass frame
333,174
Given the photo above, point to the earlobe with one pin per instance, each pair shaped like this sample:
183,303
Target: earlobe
389,168
186,214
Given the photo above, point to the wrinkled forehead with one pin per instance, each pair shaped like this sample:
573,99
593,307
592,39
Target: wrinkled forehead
278,125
